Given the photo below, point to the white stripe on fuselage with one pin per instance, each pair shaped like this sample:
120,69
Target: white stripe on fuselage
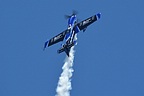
70,27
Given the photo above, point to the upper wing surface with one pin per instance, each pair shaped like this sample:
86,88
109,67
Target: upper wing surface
56,39
83,24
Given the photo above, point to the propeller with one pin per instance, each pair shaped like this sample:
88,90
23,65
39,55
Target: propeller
67,16
74,12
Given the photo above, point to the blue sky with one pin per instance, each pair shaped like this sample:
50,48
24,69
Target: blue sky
109,58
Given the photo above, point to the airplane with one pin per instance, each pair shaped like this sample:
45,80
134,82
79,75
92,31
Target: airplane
69,34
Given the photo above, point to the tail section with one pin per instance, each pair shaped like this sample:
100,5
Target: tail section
61,50
67,51
66,48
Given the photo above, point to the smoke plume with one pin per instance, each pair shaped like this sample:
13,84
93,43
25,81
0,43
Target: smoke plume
64,83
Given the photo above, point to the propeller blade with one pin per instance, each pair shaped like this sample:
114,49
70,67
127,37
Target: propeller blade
67,16
74,12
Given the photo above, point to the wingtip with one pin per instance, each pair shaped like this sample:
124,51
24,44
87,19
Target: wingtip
99,15
45,45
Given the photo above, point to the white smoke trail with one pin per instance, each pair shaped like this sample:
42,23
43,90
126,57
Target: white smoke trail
64,83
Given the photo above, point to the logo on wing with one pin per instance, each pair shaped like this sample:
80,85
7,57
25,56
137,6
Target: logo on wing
87,21
58,37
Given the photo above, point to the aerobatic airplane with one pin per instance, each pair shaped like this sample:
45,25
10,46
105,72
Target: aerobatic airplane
73,28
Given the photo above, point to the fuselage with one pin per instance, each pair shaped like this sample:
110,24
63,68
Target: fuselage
71,23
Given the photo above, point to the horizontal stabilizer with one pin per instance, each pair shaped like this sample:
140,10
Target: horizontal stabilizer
66,48
61,50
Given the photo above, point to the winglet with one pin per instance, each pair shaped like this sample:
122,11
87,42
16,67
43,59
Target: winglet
98,15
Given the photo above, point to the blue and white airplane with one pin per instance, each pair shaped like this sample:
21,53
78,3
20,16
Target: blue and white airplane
68,35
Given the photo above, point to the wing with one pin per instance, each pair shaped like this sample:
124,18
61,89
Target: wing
85,23
56,39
